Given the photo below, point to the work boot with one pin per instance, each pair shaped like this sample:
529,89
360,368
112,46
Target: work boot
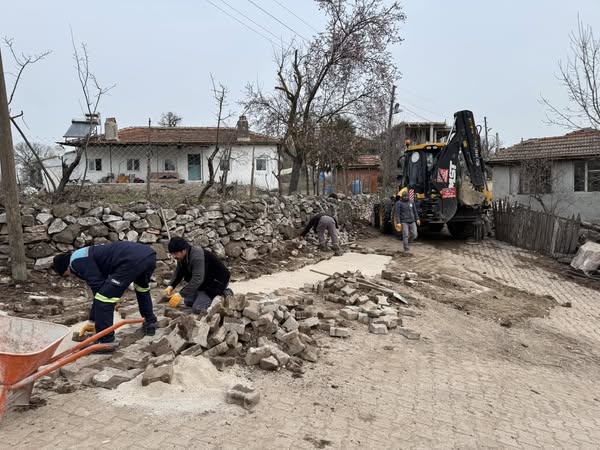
323,248
114,346
149,329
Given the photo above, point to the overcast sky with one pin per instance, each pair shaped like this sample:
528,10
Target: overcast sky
493,57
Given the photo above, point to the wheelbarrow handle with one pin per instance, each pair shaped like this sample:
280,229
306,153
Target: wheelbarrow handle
62,362
94,338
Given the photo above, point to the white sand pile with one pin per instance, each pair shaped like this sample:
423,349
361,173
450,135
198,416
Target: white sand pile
197,387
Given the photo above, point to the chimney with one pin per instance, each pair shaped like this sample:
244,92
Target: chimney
243,133
111,131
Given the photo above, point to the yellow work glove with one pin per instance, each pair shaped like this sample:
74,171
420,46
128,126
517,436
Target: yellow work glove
398,227
168,291
418,223
175,300
90,326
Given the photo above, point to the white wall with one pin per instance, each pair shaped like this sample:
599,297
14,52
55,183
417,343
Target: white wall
114,159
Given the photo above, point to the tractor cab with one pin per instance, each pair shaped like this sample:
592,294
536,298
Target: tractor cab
419,161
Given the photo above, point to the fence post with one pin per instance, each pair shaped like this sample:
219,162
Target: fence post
9,187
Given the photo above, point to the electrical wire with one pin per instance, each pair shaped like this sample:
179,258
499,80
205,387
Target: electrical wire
415,114
257,24
295,15
244,24
272,16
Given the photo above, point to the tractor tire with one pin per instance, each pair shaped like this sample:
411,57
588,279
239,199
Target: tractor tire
385,217
461,230
375,215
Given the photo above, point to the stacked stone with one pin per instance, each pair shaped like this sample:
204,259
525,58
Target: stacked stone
231,229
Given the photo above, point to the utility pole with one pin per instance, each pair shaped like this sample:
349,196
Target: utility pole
9,187
487,143
388,175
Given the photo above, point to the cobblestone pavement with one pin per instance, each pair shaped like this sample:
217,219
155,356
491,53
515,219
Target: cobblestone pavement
468,383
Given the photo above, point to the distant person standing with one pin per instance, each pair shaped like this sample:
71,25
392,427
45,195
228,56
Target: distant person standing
321,223
408,218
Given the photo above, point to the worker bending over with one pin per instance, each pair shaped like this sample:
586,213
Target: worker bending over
320,223
109,269
205,274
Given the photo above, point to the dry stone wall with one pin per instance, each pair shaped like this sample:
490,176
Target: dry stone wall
231,229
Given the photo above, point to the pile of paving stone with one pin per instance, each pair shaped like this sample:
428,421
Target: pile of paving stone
282,330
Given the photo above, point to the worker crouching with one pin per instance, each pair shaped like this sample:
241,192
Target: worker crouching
321,223
205,274
109,269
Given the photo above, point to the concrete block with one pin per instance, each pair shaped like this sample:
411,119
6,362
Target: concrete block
214,322
265,319
71,370
349,314
282,357
217,349
236,302
363,318
232,339
194,350
216,306
289,337
411,283
411,275
310,354
129,359
255,354
110,378
406,312
409,334
269,363
162,373
348,290
295,346
327,314
378,328
339,332
362,300
290,324
252,310
244,396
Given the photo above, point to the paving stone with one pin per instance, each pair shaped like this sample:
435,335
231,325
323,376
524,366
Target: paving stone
233,324
378,328
244,396
349,314
363,318
163,359
409,334
194,350
110,378
176,342
339,332
217,337
162,373
220,362
290,324
411,283
269,363
311,322
252,310
200,335
70,370
255,354
217,349
232,339
282,357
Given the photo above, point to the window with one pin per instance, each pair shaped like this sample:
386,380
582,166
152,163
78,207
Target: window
535,177
169,165
133,164
261,164
95,164
587,176
225,164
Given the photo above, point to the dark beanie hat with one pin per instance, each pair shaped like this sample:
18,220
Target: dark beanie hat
61,263
178,244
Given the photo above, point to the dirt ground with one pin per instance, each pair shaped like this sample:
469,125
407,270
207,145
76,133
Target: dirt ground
508,358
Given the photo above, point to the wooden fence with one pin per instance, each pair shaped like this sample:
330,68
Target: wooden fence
536,230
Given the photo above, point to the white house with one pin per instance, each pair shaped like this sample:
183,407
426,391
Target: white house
176,154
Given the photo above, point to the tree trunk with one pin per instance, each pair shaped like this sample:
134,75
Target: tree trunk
306,175
295,178
9,188
252,175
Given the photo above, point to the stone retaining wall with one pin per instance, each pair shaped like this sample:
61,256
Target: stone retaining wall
231,229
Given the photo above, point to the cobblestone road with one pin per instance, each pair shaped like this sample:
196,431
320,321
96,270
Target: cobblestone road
468,383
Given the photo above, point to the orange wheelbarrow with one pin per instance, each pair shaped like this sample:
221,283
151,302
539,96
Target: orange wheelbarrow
26,345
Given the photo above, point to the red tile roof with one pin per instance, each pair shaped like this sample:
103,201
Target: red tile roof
579,144
182,135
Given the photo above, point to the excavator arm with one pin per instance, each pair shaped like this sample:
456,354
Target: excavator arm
465,139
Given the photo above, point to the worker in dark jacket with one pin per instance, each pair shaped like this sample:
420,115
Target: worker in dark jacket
320,223
109,269
205,274
407,218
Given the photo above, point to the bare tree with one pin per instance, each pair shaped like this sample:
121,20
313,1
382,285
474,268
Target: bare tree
220,96
30,162
22,60
169,119
580,75
340,72
92,93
